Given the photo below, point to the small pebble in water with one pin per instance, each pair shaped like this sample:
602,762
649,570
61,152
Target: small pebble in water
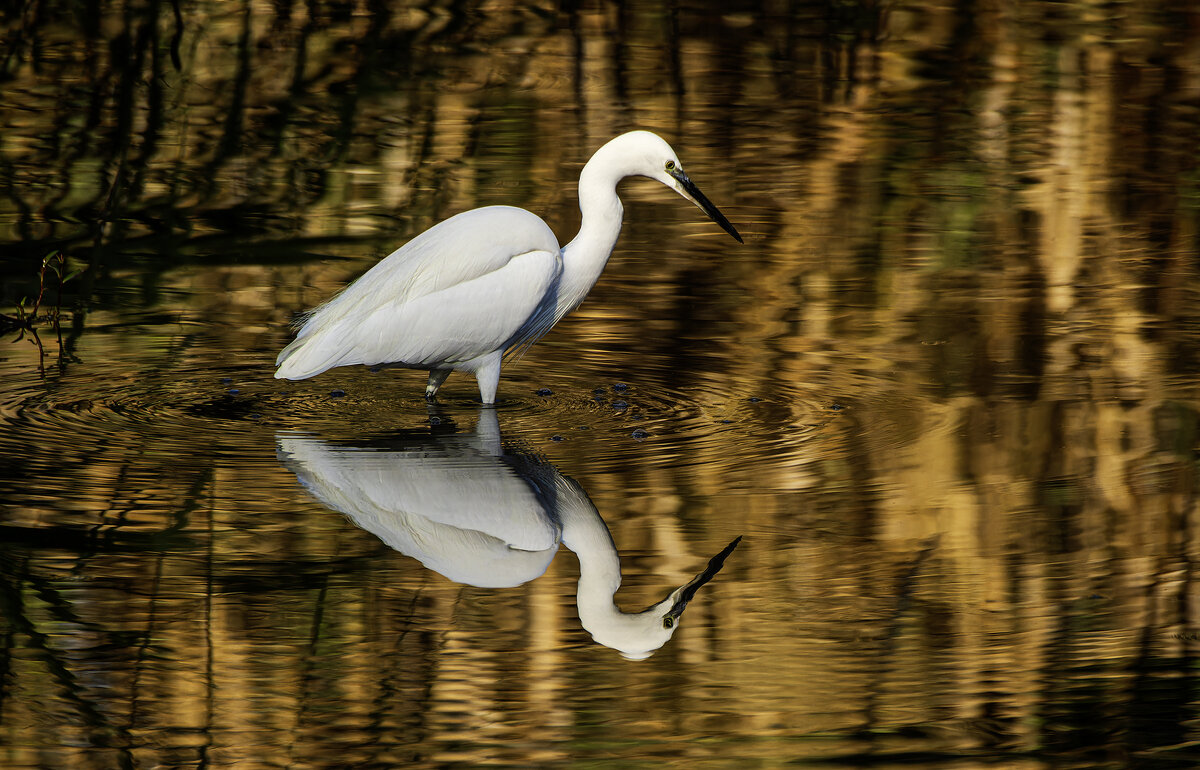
254,415
435,420
640,434
337,393
226,380
620,387
836,407
599,391
755,399
726,422
234,391
556,437
545,392
374,369
619,404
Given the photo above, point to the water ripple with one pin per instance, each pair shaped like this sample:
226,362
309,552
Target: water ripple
230,410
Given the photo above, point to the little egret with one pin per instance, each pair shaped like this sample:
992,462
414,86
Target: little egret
488,514
484,283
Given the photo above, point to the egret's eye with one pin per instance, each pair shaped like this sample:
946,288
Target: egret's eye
668,621
670,165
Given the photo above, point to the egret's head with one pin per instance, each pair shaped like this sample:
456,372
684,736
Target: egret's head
646,154
638,635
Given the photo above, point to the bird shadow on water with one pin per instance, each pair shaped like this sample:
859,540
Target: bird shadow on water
486,513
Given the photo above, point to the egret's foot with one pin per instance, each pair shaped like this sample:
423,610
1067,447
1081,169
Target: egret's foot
436,378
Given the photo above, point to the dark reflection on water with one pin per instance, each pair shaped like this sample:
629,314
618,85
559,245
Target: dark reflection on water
947,390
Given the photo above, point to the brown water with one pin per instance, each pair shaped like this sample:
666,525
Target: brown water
946,392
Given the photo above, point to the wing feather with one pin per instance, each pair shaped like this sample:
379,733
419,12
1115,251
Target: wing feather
459,249
453,325
466,287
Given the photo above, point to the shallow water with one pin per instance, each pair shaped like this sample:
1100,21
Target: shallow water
946,393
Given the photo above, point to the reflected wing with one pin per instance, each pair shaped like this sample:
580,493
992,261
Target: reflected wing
462,488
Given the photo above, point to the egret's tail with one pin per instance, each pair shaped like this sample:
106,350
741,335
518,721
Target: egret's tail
302,359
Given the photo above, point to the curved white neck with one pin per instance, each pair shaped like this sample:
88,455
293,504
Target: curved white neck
584,257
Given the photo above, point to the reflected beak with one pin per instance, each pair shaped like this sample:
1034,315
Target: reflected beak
688,189
689,590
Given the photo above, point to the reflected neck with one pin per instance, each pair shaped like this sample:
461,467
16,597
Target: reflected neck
584,532
634,634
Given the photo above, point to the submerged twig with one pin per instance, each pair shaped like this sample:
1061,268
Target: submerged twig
29,315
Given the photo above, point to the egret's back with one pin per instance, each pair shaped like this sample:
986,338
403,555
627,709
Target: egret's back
427,303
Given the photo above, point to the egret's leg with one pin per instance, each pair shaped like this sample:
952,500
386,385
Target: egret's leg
436,378
488,376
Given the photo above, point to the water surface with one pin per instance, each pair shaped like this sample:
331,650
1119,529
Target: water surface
946,392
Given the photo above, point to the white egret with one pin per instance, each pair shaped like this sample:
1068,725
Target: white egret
484,283
478,513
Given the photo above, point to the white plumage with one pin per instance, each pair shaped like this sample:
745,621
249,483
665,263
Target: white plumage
482,283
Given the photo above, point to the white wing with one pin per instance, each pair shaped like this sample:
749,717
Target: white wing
465,287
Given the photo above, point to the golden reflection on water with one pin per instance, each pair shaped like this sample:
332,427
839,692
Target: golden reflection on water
947,390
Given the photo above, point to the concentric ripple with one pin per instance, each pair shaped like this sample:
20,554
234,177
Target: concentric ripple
107,415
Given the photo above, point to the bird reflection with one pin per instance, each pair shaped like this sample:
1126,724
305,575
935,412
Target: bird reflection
488,515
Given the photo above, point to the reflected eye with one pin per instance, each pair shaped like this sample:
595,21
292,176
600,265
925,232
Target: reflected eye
668,621
670,165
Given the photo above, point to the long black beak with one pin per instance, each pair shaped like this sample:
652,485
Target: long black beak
692,193
692,586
